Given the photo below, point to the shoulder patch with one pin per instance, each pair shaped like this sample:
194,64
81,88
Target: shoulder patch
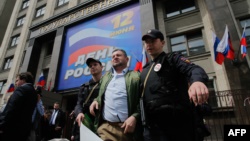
185,60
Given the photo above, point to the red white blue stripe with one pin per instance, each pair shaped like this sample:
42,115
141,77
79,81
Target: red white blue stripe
225,46
140,64
243,43
41,81
218,56
11,88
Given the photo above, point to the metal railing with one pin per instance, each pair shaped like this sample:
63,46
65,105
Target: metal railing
229,108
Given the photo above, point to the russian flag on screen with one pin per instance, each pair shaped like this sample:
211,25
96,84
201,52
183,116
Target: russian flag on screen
218,56
11,88
41,81
243,43
225,46
140,64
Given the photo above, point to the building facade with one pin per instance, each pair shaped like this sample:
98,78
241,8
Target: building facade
56,37
6,8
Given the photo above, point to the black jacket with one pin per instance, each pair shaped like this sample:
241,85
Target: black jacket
15,120
84,91
171,80
60,119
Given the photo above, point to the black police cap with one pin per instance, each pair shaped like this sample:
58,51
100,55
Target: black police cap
153,33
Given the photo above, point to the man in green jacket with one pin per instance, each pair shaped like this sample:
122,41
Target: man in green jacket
116,107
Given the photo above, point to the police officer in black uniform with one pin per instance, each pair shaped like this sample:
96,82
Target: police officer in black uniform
168,100
95,67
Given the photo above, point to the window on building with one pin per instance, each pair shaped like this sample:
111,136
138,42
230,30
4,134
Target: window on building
40,11
247,32
188,44
61,2
8,63
14,41
177,7
25,4
20,21
2,83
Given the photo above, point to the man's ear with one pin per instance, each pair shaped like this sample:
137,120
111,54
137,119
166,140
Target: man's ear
127,59
163,42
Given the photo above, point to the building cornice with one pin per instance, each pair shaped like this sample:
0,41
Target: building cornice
77,13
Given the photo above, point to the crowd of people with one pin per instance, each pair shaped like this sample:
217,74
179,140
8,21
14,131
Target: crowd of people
164,102
25,118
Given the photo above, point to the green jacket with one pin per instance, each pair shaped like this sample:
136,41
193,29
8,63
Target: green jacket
132,79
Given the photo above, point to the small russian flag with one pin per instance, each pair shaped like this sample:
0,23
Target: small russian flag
243,43
225,46
11,88
41,81
140,64
218,56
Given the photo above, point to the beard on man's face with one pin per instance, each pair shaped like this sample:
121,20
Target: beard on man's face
117,64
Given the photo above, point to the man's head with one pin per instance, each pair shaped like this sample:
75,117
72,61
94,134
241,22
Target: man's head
95,66
22,78
119,58
56,105
153,42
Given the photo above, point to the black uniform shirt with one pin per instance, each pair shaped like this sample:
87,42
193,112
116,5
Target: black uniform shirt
171,73
84,91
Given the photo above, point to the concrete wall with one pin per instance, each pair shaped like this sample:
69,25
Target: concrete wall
6,7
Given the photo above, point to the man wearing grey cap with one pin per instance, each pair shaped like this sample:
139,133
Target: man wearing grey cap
95,68
169,101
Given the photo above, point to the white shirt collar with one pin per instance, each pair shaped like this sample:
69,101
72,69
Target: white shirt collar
124,71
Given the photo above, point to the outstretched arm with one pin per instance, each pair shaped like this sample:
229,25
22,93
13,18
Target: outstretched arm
198,93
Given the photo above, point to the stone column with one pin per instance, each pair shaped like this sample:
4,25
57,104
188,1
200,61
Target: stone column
221,76
55,57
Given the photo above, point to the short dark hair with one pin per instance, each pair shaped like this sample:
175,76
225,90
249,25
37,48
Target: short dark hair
123,51
27,76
